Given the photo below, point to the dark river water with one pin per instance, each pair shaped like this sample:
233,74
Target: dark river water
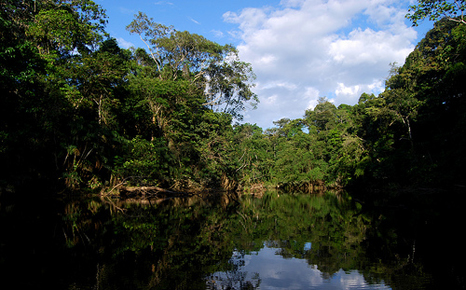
222,241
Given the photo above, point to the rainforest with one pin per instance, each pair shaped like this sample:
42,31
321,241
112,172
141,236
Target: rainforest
79,112
82,118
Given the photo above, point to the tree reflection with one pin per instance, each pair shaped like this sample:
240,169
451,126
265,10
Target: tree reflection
233,277
207,241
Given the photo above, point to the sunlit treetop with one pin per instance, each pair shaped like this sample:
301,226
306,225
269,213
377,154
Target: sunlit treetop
436,9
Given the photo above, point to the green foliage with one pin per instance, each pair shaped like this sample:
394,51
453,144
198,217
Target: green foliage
144,160
409,134
217,69
79,109
436,10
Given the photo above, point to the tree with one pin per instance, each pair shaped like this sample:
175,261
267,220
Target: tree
65,26
414,130
20,103
229,86
215,68
96,75
436,9
39,43
438,67
288,128
401,100
323,117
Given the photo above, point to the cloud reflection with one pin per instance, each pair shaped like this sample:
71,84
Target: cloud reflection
266,269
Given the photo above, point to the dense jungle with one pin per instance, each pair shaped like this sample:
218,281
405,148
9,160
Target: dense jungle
79,112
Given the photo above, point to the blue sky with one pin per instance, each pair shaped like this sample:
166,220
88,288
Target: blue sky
300,50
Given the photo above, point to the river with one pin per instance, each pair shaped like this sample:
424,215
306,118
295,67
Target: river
223,241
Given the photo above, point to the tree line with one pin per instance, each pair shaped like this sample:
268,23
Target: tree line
80,112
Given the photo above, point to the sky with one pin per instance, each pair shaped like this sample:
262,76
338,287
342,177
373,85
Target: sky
270,270
300,50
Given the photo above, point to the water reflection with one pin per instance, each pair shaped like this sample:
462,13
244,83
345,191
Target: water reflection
267,269
291,241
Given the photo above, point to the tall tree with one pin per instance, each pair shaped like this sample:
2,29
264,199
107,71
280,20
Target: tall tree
215,68
20,103
50,36
322,117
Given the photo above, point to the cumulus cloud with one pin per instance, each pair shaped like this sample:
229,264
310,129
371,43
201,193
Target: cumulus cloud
306,49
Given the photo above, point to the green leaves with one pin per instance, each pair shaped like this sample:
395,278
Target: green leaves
63,27
149,160
437,9
229,86
84,109
225,80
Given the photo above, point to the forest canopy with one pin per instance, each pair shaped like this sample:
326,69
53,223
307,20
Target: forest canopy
79,112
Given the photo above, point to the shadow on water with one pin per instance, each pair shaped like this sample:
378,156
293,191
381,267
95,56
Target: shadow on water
222,241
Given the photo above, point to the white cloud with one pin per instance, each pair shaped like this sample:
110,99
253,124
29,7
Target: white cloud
304,49
126,11
195,21
369,47
163,3
270,100
279,84
344,90
217,33
311,95
124,44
